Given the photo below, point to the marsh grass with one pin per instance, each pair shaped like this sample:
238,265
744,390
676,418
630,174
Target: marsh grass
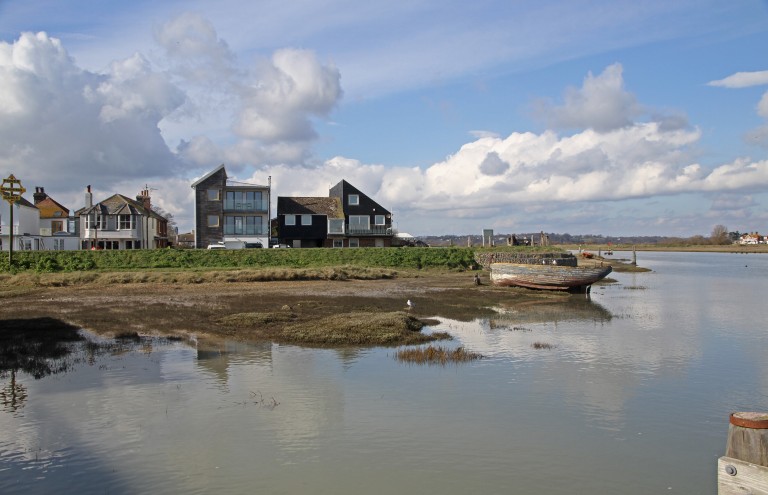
436,355
359,328
542,345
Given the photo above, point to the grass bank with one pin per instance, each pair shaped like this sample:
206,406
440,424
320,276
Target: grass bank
200,259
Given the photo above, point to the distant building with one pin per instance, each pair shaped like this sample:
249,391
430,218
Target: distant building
25,228
59,231
233,213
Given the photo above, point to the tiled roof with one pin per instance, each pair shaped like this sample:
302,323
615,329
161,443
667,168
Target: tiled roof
331,207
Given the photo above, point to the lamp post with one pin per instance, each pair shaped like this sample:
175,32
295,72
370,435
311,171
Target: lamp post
12,191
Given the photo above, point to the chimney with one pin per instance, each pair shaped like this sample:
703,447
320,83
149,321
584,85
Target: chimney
144,199
88,197
39,194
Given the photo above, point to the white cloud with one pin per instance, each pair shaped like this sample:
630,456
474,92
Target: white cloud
64,125
601,104
285,93
742,80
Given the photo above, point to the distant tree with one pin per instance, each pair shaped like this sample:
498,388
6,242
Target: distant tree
168,216
719,235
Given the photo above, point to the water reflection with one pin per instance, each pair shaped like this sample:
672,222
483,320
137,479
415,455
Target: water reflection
641,378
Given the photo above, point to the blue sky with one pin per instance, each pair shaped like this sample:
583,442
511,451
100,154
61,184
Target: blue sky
615,118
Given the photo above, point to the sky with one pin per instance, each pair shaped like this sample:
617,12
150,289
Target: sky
619,118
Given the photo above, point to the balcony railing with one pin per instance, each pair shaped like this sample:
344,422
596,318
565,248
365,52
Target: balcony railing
254,205
382,230
232,230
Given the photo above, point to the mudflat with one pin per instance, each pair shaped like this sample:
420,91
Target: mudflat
261,310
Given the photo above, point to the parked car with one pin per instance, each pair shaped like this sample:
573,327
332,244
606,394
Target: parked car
277,246
217,246
253,245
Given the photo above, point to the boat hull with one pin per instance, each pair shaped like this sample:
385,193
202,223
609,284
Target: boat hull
547,277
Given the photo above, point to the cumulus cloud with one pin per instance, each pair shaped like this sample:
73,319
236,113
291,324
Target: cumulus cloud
64,125
601,104
287,91
742,80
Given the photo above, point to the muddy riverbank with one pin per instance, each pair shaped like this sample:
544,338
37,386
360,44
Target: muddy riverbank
252,311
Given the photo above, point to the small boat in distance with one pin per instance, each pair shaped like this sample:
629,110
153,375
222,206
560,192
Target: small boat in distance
547,276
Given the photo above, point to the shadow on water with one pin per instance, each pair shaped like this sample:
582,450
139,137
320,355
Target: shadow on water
39,347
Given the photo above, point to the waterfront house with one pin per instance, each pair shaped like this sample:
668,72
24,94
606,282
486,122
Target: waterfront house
235,214
120,222
58,230
346,218
25,228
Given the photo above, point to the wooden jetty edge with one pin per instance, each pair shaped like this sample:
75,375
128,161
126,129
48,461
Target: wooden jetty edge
744,467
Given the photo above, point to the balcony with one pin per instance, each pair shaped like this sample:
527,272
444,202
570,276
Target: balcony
254,205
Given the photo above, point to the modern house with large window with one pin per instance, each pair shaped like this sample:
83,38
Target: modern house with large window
232,213
346,218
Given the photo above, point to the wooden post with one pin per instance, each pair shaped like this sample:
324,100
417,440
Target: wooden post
744,468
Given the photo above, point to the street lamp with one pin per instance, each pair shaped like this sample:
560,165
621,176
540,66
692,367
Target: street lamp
12,191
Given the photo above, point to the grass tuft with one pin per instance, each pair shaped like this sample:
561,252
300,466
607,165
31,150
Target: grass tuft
436,355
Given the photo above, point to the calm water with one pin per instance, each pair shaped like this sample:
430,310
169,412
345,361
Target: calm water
632,398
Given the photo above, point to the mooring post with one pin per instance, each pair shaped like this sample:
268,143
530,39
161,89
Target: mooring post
744,467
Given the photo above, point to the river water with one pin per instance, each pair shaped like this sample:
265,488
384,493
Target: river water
627,392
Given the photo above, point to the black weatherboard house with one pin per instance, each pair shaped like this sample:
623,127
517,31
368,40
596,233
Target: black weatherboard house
346,218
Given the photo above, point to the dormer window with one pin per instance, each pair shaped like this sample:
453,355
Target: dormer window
353,199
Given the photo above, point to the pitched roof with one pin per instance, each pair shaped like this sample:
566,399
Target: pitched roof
201,179
331,207
49,206
117,204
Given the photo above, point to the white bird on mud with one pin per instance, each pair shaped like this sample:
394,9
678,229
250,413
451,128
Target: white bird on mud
410,304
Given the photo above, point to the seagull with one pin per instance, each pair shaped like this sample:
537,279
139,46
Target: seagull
410,304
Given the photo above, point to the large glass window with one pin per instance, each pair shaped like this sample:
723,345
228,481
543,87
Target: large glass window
242,225
213,195
359,222
306,219
336,226
380,220
353,199
290,219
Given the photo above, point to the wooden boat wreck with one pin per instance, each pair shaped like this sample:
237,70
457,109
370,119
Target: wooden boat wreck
547,276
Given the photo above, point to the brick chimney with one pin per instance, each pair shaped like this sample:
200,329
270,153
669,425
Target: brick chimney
39,194
144,199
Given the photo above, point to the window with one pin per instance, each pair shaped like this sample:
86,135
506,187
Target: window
353,199
57,213
336,226
306,219
359,223
337,243
290,219
72,227
213,195
125,222
58,244
91,224
354,243
57,226
379,220
213,220
128,244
